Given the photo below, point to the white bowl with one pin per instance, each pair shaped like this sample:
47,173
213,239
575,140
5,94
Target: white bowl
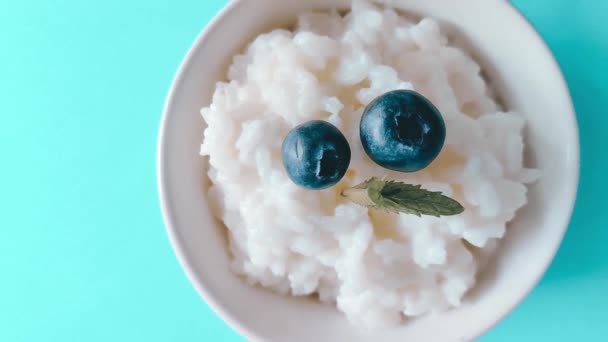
528,80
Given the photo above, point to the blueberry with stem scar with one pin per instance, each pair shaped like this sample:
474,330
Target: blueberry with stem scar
402,131
315,154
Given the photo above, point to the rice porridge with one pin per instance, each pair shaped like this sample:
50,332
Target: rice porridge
376,267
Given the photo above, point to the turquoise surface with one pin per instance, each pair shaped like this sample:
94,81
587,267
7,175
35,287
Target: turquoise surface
83,251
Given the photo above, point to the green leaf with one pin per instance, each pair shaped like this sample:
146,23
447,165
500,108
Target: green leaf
400,197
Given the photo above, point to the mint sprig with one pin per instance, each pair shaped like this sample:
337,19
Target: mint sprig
398,197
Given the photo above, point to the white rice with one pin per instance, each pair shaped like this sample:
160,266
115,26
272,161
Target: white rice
378,268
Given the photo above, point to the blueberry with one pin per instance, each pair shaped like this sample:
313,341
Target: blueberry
315,154
402,131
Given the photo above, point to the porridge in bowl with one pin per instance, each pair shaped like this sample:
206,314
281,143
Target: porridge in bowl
376,266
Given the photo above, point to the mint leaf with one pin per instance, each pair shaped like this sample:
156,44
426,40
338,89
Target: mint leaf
400,197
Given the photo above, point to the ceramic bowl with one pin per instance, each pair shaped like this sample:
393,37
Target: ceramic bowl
527,78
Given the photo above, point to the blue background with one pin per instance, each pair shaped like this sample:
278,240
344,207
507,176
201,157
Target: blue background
83,252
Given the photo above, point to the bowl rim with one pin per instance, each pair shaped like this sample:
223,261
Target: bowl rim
169,219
